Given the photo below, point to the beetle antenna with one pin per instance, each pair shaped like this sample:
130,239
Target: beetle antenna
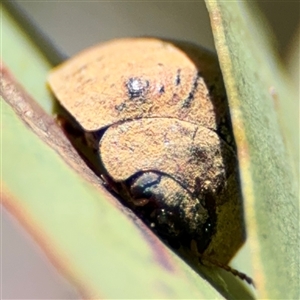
235,272
227,268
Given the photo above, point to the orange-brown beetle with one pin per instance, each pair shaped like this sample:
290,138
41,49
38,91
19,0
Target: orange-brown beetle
157,112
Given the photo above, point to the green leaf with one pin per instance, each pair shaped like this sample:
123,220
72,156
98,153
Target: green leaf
24,59
264,115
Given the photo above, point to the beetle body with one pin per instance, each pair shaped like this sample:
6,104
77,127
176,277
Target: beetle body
157,113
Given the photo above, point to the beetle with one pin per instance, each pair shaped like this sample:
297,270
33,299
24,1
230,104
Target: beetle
156,112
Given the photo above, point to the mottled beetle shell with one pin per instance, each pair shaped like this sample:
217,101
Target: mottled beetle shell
159,111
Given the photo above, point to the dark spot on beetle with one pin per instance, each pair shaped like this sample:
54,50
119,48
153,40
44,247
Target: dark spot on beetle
197,154
136,87
143,185
120,107
160,64
161,89
168,223
194,134
210,204
197,188
211,88
207,234
224,130
177,79
208,227
187,102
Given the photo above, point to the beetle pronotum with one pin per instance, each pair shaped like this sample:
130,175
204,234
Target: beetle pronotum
157,112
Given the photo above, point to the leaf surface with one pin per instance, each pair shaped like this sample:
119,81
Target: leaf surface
262,106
